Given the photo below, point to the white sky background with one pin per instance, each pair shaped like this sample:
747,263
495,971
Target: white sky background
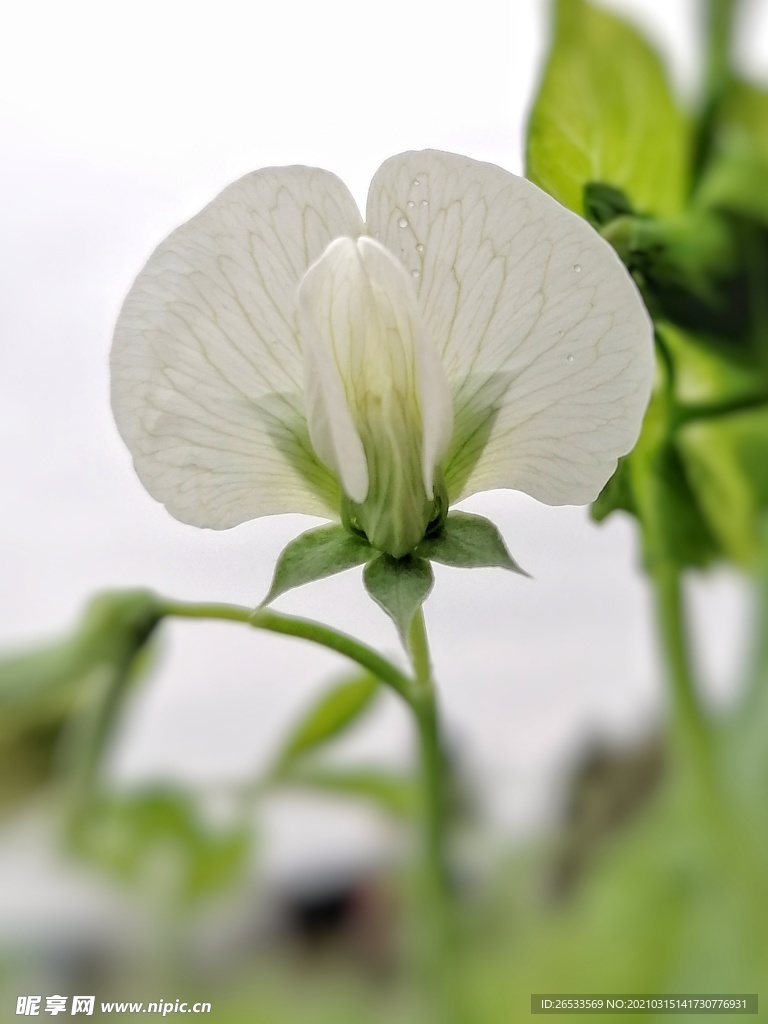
118,120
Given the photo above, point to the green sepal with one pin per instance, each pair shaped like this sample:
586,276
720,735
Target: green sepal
399,586
316,554
333,713
468,541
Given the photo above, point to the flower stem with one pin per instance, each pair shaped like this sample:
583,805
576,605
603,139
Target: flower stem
694,739
435,882
306,629
419,694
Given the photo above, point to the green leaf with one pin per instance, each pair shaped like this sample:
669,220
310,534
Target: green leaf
114,630
316,554
654,484
617,494
708,374
128,836
676,528
399,586
396,794
605,114
53,697
692,269
727,460
331,715
468,542
735,178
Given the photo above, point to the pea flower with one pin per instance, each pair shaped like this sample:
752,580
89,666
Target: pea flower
280,354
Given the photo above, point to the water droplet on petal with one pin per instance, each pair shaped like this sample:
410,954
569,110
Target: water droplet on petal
560,334
419,247
415,273
411,203
403,222
577,267
425,202
416,182
570,359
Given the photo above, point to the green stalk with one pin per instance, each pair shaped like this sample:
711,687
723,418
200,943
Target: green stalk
424,704
419,694
306,629
689,724
721,826
435,880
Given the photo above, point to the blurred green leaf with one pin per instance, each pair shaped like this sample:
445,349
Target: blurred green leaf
315,555
396,794
114,629
53,698
155,839
692,270
617,495
335,712
674,526
707,375
727,460
605,114
735,178
32,678
652,484
468,541
28,760
675,529
399,586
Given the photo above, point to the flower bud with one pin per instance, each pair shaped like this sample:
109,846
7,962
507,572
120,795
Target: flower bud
378,405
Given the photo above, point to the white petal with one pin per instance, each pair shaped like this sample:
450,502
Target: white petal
378,402
207,370
546,343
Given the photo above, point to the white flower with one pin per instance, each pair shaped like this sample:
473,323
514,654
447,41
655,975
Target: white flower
278,354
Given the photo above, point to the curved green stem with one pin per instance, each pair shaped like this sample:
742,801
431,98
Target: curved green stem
306,629
419,694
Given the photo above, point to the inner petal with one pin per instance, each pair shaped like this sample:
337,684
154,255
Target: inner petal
378,406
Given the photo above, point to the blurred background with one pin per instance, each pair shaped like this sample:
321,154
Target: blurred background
117,122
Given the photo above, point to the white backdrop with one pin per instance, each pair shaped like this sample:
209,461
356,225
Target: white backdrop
118,120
